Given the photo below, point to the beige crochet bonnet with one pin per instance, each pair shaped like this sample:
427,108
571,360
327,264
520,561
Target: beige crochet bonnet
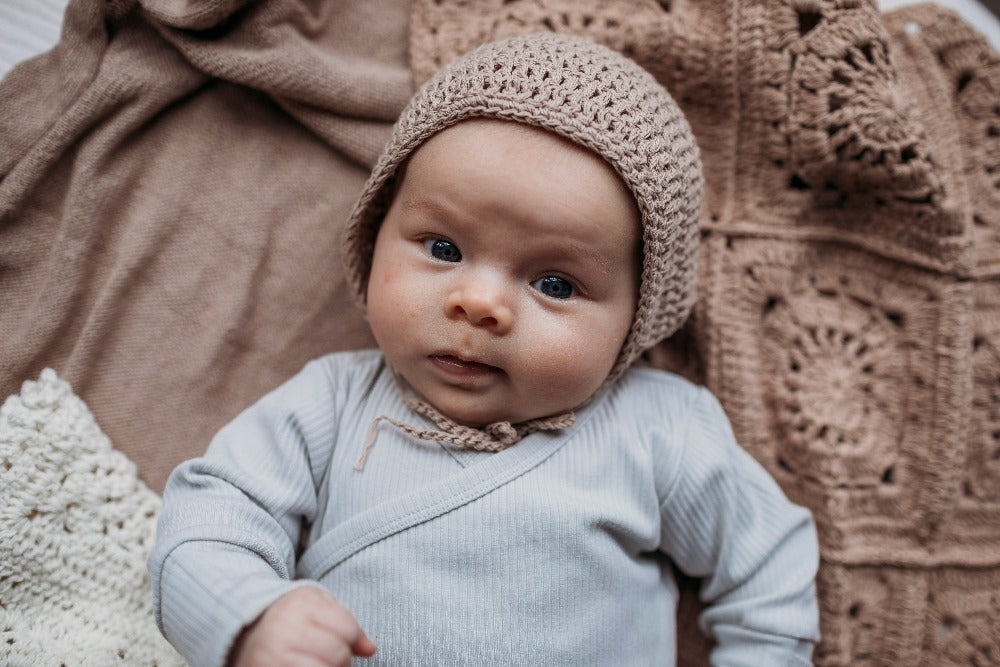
595,97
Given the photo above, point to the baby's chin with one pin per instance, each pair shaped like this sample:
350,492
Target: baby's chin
478,408
477,417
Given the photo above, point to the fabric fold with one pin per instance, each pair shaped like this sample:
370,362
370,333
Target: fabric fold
175,176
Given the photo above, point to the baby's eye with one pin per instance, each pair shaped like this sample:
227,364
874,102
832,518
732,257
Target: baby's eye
554,286
446,251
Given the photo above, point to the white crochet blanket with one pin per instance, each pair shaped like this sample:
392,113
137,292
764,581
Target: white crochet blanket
76,526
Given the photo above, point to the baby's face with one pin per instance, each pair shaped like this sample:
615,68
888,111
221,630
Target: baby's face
505,273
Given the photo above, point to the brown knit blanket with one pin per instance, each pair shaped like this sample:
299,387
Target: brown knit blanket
175,176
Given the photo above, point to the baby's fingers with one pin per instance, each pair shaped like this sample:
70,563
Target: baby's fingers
318,647
363,647
338,620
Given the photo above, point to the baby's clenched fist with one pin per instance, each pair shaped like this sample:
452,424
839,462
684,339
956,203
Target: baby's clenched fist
306,627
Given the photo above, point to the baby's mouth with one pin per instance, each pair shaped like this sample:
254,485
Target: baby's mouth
464,367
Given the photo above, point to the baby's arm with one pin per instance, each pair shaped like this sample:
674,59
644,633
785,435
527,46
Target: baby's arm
231,520
725,520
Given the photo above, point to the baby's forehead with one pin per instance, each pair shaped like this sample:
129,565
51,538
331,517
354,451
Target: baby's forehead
523,179
510,143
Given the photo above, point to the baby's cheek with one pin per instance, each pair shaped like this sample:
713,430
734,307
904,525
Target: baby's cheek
570,365
389,277
387,289
589,356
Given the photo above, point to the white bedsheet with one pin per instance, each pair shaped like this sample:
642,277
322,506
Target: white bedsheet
27,28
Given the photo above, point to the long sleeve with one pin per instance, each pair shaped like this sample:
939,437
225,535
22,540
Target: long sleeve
725,519
231,519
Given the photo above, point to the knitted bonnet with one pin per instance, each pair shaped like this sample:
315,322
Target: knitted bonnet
595,97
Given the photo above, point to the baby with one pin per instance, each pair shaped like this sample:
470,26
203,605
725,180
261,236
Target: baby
497,483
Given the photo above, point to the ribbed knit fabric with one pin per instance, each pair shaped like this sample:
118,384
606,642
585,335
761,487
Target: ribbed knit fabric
554,551
595,97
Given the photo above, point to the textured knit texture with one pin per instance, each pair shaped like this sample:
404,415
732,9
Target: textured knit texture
553,551
849,304
76,527
595,97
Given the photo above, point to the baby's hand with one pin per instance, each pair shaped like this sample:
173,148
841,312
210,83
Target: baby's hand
306,627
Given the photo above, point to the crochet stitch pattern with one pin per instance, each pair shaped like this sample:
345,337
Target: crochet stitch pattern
848,314
76,526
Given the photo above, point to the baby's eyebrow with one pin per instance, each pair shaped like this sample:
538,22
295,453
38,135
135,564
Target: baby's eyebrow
582,252
424,205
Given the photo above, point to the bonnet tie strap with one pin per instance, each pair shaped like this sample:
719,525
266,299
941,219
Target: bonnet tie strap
490,438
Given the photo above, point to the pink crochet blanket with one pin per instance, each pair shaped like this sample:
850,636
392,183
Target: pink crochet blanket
175,176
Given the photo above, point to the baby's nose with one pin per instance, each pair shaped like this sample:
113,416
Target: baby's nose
482,304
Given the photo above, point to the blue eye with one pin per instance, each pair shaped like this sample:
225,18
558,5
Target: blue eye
554,287
446,251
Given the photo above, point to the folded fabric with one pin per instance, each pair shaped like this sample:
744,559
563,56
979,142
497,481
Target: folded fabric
174,178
